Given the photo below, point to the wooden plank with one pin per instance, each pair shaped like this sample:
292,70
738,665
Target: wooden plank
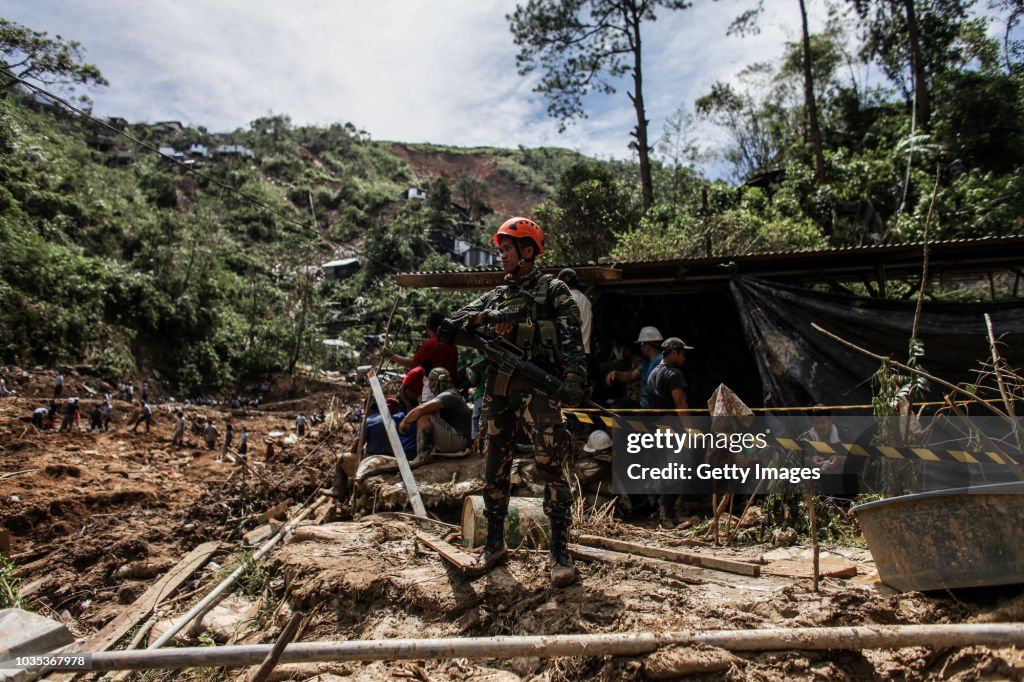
670,569
829,567
279,510
144,605
713,563
463,561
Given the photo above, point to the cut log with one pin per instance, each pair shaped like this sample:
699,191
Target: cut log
526,525
714,563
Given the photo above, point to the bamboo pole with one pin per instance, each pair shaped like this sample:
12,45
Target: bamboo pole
214,596
548,646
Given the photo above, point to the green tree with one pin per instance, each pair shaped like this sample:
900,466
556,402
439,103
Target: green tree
589,208
746,23
582,46
915,41
33,55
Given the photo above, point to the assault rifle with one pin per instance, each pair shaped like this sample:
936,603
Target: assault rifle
510,361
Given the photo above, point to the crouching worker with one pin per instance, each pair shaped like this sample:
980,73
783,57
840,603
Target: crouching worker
443,423
539,315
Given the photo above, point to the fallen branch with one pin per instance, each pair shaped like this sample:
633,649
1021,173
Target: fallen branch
912,370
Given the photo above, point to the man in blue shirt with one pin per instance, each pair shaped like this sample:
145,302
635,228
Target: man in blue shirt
650,341
376,436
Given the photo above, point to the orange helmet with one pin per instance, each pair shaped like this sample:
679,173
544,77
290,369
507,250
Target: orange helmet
521,228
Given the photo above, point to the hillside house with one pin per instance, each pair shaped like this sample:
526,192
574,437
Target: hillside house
121,157
199,151
341,269
234,150
416,193
173,154
173,127
101,142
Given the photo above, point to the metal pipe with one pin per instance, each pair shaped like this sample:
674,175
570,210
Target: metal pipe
611,644
216,593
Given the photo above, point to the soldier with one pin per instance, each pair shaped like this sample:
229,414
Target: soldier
539,315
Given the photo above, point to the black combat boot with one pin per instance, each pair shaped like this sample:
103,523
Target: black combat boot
495,550
563,569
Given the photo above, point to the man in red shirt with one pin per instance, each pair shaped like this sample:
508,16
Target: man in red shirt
432,353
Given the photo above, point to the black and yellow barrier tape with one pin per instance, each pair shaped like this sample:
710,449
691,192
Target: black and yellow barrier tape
922,454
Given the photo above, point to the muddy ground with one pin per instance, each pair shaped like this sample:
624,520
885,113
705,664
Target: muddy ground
88,504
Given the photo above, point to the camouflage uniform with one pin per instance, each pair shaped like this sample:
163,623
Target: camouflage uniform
547,327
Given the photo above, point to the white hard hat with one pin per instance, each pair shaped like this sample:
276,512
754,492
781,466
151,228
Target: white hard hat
598,440
649,335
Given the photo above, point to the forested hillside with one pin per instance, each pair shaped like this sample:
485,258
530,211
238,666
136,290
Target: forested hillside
116,256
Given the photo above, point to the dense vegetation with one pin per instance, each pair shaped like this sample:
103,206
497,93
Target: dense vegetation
204,278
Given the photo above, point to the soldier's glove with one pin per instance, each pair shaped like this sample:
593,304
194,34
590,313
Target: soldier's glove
573,391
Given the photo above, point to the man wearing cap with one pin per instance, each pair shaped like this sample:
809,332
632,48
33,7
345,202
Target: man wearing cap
568,275
538,314
375,435
666,390
443,423
650,340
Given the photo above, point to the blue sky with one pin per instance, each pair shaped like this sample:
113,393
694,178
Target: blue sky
441,71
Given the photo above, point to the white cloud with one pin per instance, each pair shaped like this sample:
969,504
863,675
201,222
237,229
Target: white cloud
441,72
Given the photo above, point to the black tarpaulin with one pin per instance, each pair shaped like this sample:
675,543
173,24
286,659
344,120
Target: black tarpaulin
800,366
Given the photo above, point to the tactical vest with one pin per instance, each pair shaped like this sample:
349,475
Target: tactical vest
535,332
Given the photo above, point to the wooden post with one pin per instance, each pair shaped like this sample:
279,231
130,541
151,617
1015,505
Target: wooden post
809,497
396,446
261,673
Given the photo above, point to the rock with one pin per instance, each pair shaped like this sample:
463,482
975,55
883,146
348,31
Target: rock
230,617
160,627
22,632
677,661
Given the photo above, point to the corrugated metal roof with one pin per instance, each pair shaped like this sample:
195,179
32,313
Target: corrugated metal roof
849,262
755,254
